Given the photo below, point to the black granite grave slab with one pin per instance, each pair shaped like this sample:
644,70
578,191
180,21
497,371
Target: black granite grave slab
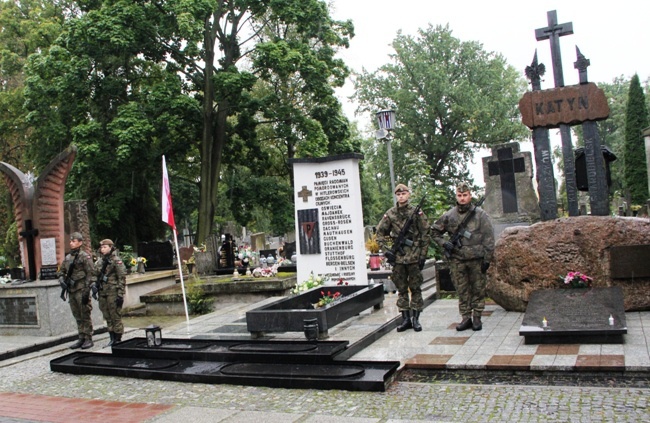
288,314
261,351
348,375
576,316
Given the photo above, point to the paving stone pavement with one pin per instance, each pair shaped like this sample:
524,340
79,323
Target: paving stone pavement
437,347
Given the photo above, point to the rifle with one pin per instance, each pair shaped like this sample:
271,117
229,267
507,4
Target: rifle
461,231
101,278
402,240
65,285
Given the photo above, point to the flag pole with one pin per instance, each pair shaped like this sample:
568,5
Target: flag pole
180,272
168,217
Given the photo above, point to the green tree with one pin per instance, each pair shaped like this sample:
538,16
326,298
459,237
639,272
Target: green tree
95,88
112,85
636,120
450,96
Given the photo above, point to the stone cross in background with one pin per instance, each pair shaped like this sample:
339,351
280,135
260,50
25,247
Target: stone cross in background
510,198
553,32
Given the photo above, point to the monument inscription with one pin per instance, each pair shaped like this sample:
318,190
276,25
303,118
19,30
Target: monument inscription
329,218
18,311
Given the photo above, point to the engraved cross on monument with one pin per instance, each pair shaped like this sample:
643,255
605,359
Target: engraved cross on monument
506,166
553,32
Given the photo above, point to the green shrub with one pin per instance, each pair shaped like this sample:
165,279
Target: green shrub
197,301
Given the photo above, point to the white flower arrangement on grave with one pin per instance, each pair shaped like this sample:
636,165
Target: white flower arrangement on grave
5,279
265,272
311,282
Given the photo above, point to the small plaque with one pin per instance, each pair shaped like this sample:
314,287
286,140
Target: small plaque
48,252
18,311
575,316
49,272
629,261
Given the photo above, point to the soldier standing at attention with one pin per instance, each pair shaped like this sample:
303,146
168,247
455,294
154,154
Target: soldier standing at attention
407,271
470,259
75,276
111,293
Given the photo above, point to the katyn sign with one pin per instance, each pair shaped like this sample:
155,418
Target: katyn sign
566,105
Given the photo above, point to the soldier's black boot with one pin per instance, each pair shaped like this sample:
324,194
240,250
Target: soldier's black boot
406,321
88,343
476,323
77,344
117,337
465,324
416,321
112,341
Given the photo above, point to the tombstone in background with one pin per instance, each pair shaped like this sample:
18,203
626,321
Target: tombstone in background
258,241
510,198
159,254
329,218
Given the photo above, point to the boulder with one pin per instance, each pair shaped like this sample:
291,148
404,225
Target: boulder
528,258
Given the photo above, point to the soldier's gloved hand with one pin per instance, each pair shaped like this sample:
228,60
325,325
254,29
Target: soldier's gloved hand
119,302
94,290
62,283
448,246
485,266
421,263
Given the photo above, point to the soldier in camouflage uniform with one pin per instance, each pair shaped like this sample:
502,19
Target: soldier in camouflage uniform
111,293
78,289
407,271
470,261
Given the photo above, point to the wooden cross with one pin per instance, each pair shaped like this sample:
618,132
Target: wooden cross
553,32
304,194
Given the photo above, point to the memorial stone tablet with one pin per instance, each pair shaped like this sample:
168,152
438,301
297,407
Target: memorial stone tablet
586,315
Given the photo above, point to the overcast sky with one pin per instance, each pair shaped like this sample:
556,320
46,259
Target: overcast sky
614,36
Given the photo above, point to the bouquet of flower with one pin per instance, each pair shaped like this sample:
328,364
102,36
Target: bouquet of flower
327,299
266,272
141,260
311,282
577,280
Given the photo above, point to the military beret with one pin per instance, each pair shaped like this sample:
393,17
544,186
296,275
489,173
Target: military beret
463,187
106,242
77,236
401,187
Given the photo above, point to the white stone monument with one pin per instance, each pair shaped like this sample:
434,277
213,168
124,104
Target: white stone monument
329,218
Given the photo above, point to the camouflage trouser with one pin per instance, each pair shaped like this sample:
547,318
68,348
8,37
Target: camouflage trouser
81,308
112,313
408,277
469,282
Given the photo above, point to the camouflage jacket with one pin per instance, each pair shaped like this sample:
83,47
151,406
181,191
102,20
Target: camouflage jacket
478,243
83,269
390,226
115,271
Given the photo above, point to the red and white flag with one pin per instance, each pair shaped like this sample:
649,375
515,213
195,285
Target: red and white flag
167,211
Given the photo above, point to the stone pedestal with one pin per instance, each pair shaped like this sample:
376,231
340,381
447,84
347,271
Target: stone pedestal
36,309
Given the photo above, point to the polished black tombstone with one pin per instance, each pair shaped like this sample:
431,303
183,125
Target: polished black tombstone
159,255
348,375
575,316
260,351
288,314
